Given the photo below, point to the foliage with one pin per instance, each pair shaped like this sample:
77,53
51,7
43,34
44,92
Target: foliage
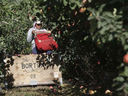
92,36
99,26
14,24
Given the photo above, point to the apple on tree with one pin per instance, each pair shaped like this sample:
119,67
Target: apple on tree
125,58
82,10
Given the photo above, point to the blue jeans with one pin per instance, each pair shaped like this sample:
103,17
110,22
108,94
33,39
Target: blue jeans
36,51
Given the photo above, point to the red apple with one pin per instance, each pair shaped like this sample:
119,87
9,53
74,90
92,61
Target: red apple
41,11
50,87
49,8
125,58
98,62
82,10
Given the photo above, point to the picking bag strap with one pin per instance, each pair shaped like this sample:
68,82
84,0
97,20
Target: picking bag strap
40,32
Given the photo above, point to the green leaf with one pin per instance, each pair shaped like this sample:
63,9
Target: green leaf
102,31
73,7
119,26
121,65
126,71
85,38
89,1
99,24
126,84
93,28
125,47
77,2
104,23
115,84
91,17
65,2
125,34
101,8
120,79
109,14
120,88
63,18
114,11
110,37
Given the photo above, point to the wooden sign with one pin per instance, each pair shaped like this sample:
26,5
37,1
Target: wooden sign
33,70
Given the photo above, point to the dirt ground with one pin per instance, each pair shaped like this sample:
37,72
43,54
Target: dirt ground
45,91
27,91
66,89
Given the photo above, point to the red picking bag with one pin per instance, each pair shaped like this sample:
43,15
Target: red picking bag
44,41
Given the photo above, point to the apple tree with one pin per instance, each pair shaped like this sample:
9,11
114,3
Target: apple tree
92,35
17,16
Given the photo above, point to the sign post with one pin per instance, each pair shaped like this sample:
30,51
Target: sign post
27,70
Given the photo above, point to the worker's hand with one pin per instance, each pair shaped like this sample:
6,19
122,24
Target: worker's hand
34,31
